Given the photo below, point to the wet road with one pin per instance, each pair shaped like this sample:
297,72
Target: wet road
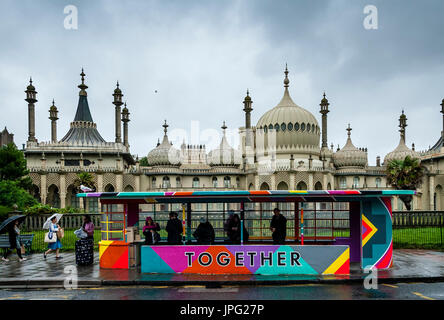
416,291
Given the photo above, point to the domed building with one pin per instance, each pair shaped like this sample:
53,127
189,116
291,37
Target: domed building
287,149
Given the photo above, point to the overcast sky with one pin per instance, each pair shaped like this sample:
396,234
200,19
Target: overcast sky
201,56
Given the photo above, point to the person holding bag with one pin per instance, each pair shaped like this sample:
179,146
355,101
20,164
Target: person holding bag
52,239
14,241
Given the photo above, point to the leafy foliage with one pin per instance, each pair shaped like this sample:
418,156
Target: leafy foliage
12,193
405,174
143,162
47,209
86,179
13,166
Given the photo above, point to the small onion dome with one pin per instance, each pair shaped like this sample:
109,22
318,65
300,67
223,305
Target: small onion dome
349,155
164,153
117,89
30,87
224,155
400,153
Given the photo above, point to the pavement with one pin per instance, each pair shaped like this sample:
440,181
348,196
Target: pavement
409,266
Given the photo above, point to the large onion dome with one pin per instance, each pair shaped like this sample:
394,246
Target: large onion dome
292,124
349,155
401,151
164,154
224,155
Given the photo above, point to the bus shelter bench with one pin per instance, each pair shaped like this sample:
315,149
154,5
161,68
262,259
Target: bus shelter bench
26,240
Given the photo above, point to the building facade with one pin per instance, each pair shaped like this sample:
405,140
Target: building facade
6,137
286,150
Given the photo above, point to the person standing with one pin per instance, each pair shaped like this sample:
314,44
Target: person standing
174,229
53,228
88,227
204,233
150,231
278,226
14,242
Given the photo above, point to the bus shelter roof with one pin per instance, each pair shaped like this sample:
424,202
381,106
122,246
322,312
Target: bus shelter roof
243,196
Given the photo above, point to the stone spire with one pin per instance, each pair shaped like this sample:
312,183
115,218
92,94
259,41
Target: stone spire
286,80
53,117
442,111
125,120
324,110
402,125
31,98
118,102
82,86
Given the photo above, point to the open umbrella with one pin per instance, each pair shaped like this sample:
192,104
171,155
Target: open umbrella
48,221
5,224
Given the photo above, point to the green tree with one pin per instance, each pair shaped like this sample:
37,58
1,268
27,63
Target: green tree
13,166
405,175
143,162
12,193
86,179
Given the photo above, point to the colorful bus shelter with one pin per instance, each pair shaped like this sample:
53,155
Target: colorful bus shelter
367,240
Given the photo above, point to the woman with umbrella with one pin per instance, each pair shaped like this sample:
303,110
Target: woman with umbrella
11,226
52,225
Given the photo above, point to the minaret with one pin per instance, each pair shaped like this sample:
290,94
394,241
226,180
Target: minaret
118,102
31,99
324,110
442,111
402,125
125,120
247,109
53,117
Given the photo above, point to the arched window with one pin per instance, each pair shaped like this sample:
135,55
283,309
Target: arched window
290,126
308,127
355,182
303,127
378,182
214,182
276,127
318,186
178,183
196,183
296,126
237,182
342,183
283,126
227,182
153,182
301,186
166,182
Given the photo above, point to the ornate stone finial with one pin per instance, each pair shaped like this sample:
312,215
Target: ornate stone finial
286,80
224,127
442,106
82,86
53,112
413,146
165,127
402,124
349,129
332,146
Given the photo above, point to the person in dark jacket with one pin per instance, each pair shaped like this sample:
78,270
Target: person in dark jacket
204,233
278,226
234,230
150,231
174,229
14,242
